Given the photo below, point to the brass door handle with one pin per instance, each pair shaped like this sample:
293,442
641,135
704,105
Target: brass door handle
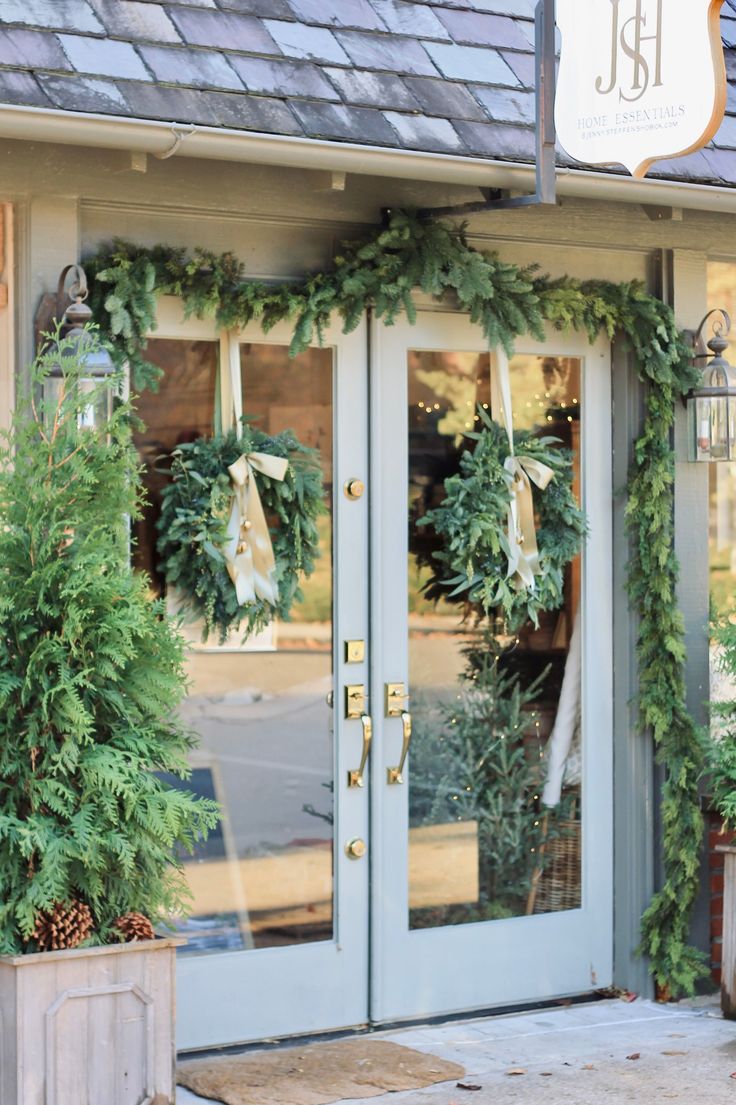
355,778
394,775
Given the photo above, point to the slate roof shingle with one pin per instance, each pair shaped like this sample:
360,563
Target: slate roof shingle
448,76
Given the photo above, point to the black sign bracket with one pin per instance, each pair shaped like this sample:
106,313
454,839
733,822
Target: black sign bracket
546,193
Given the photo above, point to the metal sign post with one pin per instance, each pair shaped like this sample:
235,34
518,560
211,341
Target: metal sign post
546,192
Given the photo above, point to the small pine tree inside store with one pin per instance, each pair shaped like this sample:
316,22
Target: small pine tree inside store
486,768
91,675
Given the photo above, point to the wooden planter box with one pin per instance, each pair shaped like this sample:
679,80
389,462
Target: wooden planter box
728,966
94,1026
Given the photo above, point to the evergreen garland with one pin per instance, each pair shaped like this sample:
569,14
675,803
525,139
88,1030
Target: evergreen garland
382,272
505,301
473,518
91,676
194,514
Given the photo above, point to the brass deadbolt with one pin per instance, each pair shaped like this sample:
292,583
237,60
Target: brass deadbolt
355,849
354,488
354,652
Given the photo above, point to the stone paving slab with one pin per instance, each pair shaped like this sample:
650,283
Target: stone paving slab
579,1055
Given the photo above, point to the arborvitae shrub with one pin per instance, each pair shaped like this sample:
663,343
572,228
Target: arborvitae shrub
91,677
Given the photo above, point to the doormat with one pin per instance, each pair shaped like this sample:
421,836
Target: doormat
316,1074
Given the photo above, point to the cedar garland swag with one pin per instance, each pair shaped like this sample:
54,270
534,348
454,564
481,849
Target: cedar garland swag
506,301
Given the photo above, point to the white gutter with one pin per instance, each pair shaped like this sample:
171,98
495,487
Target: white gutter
219,144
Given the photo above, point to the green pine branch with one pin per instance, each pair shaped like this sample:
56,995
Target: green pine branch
91,677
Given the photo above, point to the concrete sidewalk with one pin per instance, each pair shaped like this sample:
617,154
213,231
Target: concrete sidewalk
606,1051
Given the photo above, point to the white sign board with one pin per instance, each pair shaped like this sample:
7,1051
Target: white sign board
639,80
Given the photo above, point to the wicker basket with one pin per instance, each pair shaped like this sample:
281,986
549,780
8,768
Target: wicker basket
557,886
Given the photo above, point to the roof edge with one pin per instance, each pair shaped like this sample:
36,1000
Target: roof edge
164,140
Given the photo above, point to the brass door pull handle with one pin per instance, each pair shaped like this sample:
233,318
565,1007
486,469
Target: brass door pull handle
355,778
394,775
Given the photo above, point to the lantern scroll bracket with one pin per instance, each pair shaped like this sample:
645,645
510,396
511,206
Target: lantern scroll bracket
721,327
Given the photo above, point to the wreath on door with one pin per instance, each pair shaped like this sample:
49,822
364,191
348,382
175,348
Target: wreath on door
238,529
504,546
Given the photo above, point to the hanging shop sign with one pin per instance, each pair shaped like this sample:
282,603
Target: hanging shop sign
639,80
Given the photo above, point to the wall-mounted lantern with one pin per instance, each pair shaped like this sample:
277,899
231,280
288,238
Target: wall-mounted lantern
98,365
711,406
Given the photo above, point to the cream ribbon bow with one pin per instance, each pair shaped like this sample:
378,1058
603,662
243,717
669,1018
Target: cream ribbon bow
248,550
522,535
520,472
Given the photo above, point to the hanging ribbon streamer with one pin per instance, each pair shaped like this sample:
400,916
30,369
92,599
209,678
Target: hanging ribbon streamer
248,550
520,472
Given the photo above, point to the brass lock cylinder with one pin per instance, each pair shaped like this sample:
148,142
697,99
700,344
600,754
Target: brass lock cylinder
354,488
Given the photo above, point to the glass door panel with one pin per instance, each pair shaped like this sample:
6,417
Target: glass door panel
485,859
181,409
444,390
264,878
268,881
492,833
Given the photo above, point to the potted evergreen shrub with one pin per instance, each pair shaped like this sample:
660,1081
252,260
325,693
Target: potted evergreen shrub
91,675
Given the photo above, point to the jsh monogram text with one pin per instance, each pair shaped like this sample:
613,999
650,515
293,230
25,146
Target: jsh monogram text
636,51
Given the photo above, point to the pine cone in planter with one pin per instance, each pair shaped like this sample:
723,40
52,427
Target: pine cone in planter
134,926
63,928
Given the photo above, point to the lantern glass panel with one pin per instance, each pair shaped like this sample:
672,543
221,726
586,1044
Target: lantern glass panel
53,392
711,428
718,428
98,410
93,413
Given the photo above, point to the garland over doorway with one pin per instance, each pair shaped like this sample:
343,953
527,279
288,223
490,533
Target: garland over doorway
506,301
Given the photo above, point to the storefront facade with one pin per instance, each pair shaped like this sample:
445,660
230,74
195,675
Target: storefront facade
349,884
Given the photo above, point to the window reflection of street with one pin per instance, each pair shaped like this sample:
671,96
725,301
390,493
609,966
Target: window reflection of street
259,708
448,856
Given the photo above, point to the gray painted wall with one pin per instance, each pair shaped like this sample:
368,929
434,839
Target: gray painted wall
284,222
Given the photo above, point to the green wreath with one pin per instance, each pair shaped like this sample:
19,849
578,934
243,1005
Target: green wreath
193,522
472,524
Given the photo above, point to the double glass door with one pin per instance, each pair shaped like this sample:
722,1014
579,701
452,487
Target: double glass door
416,819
